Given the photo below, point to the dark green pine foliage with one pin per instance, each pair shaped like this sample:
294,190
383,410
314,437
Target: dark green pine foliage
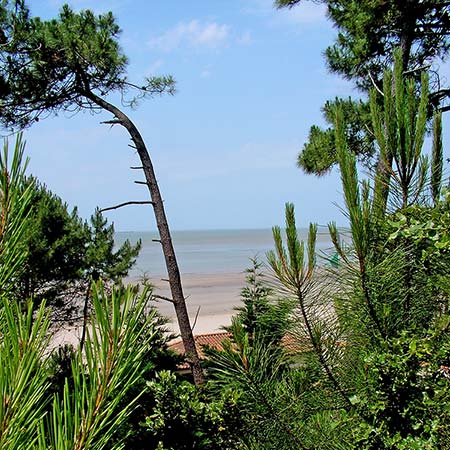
395,315
368,33
63,251
56,241
399,120
371,368
45,78
89,409
437,158
46,66
72,63
103,261
263,315
319,152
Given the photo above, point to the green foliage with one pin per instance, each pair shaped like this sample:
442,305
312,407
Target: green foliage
56,241
263,315
314,321
64,251
23,381
15,201
424,232
437,158
407,393
398,307
318,155
254,372
186,417
103,261
85,413
284,402
133,432
399,125
286,398
368,33
23,335
90,410
291,267
53,64
72,63
371,355
81,404
425,228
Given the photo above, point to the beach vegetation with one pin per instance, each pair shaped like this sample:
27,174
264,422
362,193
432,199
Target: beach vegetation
185,417
368,33
264,315
370,365
354,355
65,253
84,408
74,63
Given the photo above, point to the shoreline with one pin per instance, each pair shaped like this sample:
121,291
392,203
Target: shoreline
210,299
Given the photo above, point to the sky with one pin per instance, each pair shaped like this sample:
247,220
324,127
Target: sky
251,81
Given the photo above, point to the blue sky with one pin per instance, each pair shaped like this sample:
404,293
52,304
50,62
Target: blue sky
250,83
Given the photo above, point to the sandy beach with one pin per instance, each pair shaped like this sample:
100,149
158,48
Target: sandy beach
210,297
211,300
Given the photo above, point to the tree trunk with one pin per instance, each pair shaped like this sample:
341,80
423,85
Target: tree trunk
164,233
408,25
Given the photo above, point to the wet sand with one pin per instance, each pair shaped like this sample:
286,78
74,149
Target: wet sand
210,298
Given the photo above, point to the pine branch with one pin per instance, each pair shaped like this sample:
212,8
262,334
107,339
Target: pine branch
120,205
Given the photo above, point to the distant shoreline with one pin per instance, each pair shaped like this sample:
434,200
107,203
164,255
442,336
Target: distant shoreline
209,251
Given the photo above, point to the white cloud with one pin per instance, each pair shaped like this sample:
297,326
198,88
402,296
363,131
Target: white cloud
193,34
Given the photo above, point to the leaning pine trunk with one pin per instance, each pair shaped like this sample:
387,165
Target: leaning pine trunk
164,233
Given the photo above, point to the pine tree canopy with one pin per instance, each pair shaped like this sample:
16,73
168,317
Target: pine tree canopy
368,33
50,65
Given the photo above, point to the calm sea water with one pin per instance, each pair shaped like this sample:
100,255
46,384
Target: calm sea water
209,252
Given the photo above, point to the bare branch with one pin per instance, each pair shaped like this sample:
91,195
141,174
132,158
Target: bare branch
161,297
417,69
196,317
136,167
141,182
143,202
375,84
112,122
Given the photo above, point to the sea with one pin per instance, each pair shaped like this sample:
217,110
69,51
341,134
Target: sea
211,251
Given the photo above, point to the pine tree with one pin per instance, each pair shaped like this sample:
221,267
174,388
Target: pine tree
72,63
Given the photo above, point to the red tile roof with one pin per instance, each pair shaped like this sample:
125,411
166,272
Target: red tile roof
291,343
213,340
